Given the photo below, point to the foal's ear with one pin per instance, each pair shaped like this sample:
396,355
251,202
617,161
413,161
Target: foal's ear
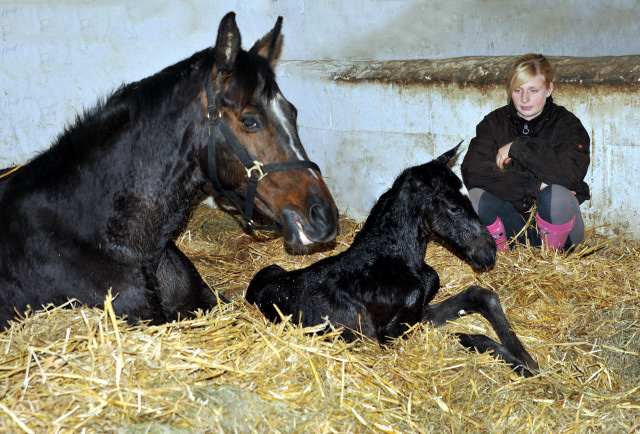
266,46
227,43
447,156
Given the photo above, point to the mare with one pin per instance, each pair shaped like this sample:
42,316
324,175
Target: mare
98,209
381,286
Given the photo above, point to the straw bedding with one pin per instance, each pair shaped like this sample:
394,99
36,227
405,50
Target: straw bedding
230,371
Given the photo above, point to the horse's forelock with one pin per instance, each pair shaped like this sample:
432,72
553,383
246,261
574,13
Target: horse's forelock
254,79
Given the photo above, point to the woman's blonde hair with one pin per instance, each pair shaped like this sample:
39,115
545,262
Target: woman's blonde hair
527,68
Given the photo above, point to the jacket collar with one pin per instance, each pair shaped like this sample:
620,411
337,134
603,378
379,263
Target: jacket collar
528,126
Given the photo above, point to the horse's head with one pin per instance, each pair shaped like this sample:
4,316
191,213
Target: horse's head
258,156
448,213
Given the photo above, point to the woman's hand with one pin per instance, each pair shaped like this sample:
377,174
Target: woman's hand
503,156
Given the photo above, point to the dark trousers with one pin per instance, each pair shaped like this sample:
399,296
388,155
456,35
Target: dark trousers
555,204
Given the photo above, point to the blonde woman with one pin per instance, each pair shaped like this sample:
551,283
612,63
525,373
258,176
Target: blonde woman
529,151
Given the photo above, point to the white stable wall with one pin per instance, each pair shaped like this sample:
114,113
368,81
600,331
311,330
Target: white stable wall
58,58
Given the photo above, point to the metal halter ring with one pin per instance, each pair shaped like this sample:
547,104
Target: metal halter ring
258,167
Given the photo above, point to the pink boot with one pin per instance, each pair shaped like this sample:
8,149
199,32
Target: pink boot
554,236
497,231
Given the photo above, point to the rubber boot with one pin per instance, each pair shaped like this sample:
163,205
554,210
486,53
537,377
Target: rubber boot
497,231
554,236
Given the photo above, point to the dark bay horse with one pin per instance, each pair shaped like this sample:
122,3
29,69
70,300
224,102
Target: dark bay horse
381,285
98,209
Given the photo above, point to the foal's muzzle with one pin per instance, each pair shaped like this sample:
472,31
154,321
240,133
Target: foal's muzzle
483,252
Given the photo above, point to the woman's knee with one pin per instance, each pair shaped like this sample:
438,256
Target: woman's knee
475,194
557,204
486,205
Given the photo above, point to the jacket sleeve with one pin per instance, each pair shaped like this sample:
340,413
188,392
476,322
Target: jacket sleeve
560,156
479,168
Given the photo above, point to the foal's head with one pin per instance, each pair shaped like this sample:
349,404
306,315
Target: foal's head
448,213
264,122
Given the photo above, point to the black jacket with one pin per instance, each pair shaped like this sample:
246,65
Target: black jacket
552,148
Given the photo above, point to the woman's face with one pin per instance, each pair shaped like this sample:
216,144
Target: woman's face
530,97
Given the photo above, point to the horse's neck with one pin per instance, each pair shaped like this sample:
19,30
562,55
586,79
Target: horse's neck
165,160
150,174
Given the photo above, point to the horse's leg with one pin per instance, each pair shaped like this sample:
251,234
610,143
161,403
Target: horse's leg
476,299
412,298
482,344
180,287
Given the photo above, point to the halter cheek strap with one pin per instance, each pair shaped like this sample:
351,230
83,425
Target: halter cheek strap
256,170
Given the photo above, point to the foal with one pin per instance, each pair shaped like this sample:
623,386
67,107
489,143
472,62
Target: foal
381,285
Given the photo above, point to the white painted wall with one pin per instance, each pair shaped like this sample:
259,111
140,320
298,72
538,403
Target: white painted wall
60,57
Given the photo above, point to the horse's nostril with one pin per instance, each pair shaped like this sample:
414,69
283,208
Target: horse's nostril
317,215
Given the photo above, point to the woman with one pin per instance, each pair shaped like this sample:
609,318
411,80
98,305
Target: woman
529,151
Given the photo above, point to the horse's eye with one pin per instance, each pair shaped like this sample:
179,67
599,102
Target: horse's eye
251,123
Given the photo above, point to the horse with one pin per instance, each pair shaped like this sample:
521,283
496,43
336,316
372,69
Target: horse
381,285
96,211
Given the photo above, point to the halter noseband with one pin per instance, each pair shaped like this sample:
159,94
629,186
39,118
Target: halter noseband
256,170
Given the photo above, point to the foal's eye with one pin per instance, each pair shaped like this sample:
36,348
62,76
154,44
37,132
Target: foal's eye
251,123
455,210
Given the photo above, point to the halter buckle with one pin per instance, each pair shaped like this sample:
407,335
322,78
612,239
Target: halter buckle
212,109
258,167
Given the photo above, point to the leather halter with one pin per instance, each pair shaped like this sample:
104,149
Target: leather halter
256,170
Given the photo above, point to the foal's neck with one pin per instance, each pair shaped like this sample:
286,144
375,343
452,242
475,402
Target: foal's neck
397,225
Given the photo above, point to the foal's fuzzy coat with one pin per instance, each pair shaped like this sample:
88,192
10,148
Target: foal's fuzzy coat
381,284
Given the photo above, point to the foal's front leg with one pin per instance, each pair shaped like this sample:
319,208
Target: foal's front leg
180,287
476,299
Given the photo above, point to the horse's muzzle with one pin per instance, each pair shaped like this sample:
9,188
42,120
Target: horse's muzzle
318,224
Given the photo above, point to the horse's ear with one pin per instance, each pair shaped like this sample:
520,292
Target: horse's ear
447,156
228,43
266,46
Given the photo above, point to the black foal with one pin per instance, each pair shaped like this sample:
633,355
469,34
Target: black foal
381,284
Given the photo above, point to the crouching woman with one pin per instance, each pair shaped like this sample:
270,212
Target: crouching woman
531,151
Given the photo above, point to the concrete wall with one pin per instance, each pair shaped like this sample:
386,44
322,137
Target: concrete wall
361,126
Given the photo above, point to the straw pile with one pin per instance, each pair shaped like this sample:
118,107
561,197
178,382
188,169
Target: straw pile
230,371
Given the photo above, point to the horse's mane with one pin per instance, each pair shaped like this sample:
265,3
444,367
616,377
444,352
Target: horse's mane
134,102
93,127
145,97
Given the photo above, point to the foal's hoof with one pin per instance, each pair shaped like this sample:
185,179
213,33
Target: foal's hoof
524,371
